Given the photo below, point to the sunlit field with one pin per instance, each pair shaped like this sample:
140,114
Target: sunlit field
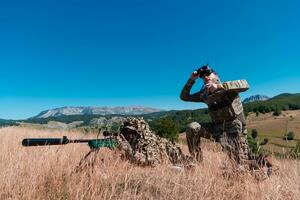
274,128
49,173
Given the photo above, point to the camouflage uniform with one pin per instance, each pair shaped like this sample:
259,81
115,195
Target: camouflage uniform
141,146
228,125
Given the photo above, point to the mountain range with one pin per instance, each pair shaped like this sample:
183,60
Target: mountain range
100,115
121,110
254,98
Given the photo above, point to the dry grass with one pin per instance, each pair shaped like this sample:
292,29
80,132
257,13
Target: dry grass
274,128
46,173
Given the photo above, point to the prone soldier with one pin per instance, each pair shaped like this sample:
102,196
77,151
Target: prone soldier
138,144
143,147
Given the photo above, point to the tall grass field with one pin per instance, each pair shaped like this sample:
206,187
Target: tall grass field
48,172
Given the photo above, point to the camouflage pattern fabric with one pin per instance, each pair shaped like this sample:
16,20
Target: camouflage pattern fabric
238,85
141,146
229,134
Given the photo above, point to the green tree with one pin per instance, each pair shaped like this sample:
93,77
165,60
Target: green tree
289,136
277,112
166,128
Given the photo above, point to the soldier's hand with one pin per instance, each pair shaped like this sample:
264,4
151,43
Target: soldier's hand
194,75
213,87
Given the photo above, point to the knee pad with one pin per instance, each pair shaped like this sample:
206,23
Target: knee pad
193,127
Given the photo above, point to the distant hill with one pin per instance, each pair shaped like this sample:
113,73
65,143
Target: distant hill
277,103
4,122
256,98
66,111
181,117
286,96
285,101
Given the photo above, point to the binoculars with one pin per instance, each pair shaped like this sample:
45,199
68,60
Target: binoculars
204,70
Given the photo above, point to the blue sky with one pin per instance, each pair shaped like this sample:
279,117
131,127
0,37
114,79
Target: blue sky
115,53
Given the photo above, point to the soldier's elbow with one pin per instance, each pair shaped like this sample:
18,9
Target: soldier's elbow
184,98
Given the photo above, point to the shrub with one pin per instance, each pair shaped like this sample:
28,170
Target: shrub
166,128
289,136
264,142
296,150
253,145
254,133
277,112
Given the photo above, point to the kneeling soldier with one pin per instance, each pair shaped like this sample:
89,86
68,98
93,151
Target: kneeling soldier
228,125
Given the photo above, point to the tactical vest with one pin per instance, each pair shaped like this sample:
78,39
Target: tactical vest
226,108
226,105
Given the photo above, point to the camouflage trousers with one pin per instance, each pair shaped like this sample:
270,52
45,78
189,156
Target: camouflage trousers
232,135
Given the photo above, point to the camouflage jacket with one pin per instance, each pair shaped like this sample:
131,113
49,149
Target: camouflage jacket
223,105
141,146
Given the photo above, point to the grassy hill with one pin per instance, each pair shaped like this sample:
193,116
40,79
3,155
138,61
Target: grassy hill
280,102
4,122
